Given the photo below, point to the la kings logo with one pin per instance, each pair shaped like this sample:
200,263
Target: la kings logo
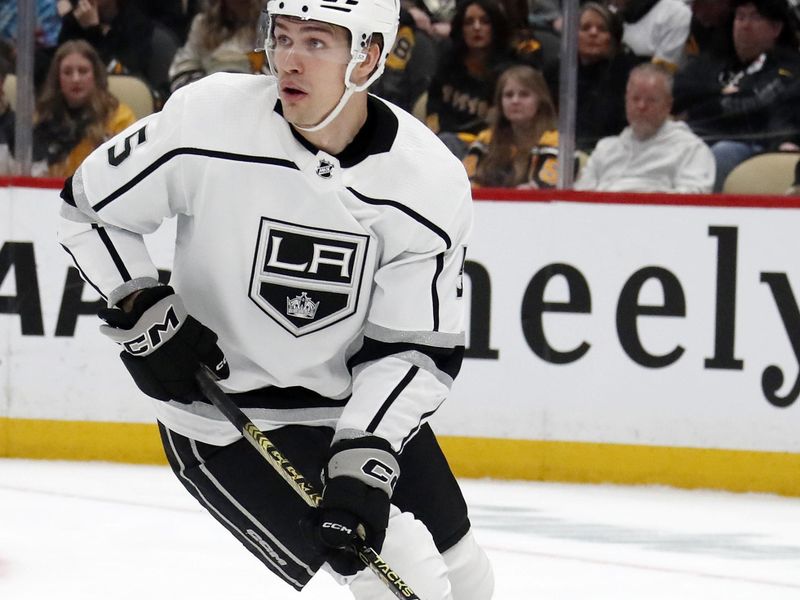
307,278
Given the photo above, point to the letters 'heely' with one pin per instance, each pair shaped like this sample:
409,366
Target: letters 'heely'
17,261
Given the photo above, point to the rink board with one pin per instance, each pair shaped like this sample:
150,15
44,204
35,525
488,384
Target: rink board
623,338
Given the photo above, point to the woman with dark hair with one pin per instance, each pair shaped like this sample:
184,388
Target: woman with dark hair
509,153
603,69
75,112
221,38
460,94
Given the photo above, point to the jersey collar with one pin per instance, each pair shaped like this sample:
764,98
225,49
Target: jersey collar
375,137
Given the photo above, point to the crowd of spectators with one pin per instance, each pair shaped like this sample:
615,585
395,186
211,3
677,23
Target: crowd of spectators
482,74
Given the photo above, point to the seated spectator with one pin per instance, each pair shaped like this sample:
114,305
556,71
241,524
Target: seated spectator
47,27
461,91
538,47
410,66
510,153
603,69
432,16
7,164
75,112
221,38
545,15
656,29
127,40
710,31
654,153
740,105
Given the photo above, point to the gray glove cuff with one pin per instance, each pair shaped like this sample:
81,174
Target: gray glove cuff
374,467
157,325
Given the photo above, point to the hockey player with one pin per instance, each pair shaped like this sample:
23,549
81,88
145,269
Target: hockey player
321,235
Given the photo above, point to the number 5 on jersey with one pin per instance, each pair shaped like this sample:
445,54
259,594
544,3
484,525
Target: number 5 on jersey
117,156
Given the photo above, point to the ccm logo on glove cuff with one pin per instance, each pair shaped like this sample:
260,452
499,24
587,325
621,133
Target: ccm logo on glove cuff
380,471
164,319
374,467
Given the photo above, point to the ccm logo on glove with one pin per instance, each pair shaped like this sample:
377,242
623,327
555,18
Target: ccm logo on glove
164,346
150,340
337,527
380,471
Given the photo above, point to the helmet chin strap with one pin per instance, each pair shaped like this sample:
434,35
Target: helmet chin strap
333,114
349,89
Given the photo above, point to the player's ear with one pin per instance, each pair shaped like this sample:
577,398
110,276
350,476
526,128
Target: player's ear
366,68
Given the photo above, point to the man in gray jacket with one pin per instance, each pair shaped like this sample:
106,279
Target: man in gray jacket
654,153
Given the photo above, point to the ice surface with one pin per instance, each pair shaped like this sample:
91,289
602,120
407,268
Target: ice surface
97,531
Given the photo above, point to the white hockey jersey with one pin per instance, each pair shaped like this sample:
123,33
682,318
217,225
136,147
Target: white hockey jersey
333,282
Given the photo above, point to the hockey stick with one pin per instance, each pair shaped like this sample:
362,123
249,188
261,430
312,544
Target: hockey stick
301,485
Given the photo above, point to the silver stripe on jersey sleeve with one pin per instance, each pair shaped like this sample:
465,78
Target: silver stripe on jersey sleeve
413,357
348,434
70,213
436,339
79,194
127,288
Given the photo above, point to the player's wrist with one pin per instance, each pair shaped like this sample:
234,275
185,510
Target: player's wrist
368,459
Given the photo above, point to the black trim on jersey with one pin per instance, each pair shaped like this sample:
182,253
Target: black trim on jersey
373,425
435,292
376,136
277,398
112,251
403,208
83,275
416,429
249,158
447,360
66,192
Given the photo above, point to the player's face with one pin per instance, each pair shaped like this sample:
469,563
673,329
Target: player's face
310,60
594,39
76,79
520,104
647,104
477,28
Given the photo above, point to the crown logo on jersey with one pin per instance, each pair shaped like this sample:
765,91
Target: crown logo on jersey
325,169
301,307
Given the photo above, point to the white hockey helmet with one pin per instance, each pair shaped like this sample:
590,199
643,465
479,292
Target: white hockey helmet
362,18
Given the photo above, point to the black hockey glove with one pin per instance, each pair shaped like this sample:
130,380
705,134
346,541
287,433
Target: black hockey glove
359,481
163,346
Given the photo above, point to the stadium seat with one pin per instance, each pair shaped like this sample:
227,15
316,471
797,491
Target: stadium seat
134,92
128,89
771,173
10,90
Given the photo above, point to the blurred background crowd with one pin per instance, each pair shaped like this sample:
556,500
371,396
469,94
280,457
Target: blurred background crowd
672,95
